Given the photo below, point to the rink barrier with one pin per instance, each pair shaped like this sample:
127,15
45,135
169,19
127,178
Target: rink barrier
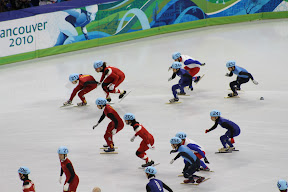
141,34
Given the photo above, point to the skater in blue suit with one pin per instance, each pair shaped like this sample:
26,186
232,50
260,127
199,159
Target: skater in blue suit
185,80
154,185
233,130
192,162
242,77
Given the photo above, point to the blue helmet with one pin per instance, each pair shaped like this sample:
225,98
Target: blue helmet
176,65
230,64
63,150
181,135
98,64
150,170
215,113
176,55
175,140
101,101
129,116
282,184
24,170
74,77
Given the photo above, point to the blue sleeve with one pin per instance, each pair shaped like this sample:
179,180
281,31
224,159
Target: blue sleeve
195,148
191,61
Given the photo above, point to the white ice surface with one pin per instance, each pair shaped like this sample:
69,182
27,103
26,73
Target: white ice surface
33,126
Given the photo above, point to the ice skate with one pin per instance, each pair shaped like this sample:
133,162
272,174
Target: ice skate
204,169
197,79
181,93
148,164
230,149
67,103
122,94
189,181
109,150
108,99
223,150
232,94
82,104
174,100
200,179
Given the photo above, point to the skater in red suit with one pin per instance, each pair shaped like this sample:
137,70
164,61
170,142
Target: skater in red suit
72,180
111,78
114,126
147,142
86,84
28,185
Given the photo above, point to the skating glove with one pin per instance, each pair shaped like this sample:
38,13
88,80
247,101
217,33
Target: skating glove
95,126
227,75
203,64
255,82
170,79
169,68
206,160
190,88
60,179
207,130
151,147
111,87
172,161
132,139
114,131
66,187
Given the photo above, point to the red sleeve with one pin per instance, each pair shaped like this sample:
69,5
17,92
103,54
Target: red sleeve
76,89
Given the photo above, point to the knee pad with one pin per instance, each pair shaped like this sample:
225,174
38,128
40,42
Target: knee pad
138,153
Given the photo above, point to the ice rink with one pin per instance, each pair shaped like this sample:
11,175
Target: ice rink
33,126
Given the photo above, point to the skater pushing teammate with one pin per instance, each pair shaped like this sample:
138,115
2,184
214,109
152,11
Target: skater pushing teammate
72,180
86,84
242,77
233,131
154,185
282,185
28,185
147,139
185,80
197,149
114,126
190,64
192,163
111,78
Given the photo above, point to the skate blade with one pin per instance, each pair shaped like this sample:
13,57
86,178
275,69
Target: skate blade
232,97
109,152
223,152
199,79
63,106
155,164
174,102
127,93
108,147
81,105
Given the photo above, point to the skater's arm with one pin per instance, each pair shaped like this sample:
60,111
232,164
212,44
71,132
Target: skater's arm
248,74
214,126
113,118
148,189
75,91
72,173
61,172
102,117
173,75
196,148
229,127
230,74
183,154
191,61
166,187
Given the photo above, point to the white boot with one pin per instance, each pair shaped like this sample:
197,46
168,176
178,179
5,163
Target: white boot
223,150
